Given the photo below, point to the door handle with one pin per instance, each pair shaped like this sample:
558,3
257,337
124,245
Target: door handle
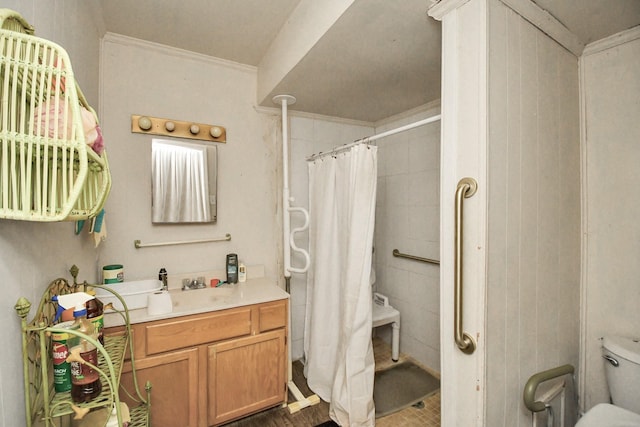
466,188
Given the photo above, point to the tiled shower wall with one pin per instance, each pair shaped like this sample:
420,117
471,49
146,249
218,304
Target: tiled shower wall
408,219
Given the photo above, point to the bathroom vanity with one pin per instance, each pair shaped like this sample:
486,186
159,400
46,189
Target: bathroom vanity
220,355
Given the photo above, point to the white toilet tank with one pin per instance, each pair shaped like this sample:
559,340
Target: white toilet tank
622,370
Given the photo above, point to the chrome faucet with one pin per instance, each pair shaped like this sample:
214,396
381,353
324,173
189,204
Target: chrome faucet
188,284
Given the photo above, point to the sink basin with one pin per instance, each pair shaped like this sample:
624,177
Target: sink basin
196,298
135,293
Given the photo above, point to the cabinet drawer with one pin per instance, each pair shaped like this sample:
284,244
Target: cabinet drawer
273,316
194,330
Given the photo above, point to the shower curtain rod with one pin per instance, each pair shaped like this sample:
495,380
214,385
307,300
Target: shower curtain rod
371,138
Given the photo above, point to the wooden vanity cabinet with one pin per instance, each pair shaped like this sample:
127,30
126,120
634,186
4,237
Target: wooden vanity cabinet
245,375
174,379
211,368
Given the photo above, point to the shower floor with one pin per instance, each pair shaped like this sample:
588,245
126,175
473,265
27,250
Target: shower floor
428,416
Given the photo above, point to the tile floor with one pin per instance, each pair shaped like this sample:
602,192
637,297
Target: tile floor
427,416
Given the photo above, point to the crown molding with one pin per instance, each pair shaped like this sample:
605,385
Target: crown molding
622,37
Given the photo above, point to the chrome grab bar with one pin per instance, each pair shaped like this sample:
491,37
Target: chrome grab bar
529,394
399,254
466,188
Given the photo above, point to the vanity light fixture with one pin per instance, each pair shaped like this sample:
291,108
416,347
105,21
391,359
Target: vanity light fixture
215,131
178,128
144,123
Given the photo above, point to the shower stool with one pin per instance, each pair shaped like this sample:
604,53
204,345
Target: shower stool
384,314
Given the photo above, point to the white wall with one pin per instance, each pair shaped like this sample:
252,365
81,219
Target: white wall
148,79
310,135
611,105
34,254
408,219
533,270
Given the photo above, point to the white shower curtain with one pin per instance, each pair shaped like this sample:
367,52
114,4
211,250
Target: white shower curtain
339,355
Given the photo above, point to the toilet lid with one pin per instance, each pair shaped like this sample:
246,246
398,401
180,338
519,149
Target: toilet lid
606,415
628,348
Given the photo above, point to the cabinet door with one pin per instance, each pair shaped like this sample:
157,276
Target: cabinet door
246,375
174,386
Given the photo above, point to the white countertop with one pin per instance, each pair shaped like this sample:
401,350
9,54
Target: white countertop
184,303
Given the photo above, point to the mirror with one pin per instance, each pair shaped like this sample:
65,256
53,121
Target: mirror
184,182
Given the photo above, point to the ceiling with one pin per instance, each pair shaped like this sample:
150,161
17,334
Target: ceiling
379,58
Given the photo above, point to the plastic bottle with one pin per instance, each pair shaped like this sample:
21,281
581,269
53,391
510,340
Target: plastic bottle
242,273
232,268
85,381
95,314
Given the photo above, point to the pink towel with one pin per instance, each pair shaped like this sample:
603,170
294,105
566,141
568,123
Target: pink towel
47,123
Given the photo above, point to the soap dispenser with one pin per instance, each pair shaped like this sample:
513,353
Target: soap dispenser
162,276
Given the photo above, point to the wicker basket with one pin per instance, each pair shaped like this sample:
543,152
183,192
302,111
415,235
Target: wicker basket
47,170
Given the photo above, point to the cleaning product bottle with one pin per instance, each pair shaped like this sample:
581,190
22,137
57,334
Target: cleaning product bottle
95,314
85,381
59,353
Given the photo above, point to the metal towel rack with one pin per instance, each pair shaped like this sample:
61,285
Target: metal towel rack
138,244
399,254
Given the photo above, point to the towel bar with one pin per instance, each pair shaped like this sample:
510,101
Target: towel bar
138,244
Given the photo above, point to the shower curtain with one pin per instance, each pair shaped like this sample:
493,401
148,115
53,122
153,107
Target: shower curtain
337,340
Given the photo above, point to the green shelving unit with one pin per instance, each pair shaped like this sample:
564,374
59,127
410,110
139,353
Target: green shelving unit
44,406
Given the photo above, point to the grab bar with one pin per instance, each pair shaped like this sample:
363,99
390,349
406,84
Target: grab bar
466,188
292,242
399,254
529,394
138,244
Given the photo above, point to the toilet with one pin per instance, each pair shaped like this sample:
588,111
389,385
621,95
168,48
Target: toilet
622,370
384,314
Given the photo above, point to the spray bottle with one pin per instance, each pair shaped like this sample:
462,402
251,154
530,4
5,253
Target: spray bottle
69,301
85,381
